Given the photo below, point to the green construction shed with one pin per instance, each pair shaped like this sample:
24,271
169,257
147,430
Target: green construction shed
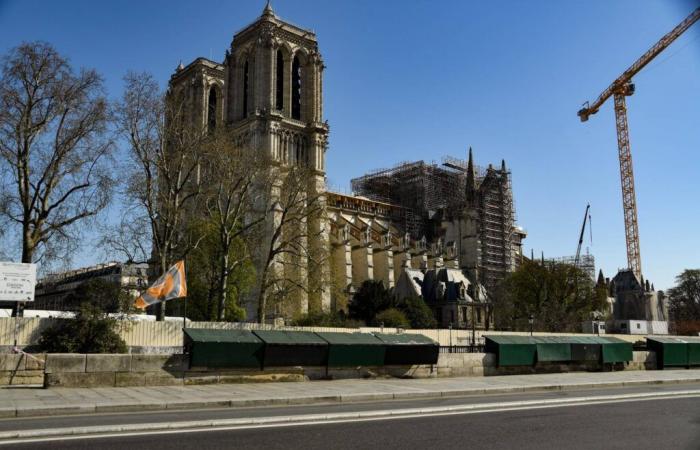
223,348
353,349
512,350
293,348
675,351
409,349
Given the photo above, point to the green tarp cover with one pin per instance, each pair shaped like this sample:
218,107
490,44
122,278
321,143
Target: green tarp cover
354,349
223,348
409,349
405,339
217,335
277,337
349,338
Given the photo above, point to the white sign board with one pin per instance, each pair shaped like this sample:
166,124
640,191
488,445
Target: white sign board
17,282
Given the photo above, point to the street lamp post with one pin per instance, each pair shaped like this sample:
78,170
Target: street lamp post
531,320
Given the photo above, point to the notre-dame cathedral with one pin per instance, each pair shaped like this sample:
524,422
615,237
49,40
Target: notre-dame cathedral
445,233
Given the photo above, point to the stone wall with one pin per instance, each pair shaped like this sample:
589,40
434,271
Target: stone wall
101,370
21,370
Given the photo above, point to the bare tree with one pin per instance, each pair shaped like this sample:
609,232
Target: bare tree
54,146
290,245
163,178
230,196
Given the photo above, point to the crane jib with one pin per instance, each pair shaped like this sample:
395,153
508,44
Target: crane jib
620,88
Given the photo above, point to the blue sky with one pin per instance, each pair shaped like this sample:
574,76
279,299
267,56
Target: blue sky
408,80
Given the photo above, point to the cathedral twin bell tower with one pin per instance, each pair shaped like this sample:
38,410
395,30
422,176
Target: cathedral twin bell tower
274,77
268,91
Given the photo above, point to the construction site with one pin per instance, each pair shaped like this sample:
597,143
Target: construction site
459,204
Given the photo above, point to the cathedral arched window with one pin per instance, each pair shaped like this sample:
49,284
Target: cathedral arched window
245,88
212,109
279,87
296,89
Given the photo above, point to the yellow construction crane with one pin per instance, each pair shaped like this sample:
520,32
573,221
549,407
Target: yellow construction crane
619,89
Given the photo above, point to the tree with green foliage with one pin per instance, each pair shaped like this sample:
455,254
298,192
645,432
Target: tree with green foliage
91,331
684,303
371,299
558,296
326,319
417,312
203,278
392,317
228,199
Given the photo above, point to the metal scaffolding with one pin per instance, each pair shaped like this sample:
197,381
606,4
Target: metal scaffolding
428,188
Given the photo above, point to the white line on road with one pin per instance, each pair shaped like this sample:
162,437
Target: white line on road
139,429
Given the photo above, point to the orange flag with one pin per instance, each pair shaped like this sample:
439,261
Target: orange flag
172,284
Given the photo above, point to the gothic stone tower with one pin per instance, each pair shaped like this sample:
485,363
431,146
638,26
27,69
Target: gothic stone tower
268,92
273,105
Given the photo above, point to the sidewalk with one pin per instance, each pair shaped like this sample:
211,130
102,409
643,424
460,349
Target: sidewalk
59,401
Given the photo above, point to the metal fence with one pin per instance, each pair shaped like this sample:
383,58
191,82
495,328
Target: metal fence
462,349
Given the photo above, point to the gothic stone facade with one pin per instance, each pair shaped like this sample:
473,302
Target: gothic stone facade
268,91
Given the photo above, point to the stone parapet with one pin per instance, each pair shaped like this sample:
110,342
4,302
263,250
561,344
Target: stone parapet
65,362
121,370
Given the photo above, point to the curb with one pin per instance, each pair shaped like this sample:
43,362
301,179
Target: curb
36,411
9,437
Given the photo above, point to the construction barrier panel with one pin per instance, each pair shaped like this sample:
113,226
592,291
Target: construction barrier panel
353,349
293,348
409,349
223,348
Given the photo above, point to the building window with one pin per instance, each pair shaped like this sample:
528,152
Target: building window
245,89
211,110
296,89
279,92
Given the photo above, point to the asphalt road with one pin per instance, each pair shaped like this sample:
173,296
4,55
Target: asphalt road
650,424
33,423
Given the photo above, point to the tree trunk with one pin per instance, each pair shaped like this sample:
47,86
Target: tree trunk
223,283
160,307
262,297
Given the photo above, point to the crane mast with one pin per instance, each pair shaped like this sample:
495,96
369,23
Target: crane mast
619,89
580,238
